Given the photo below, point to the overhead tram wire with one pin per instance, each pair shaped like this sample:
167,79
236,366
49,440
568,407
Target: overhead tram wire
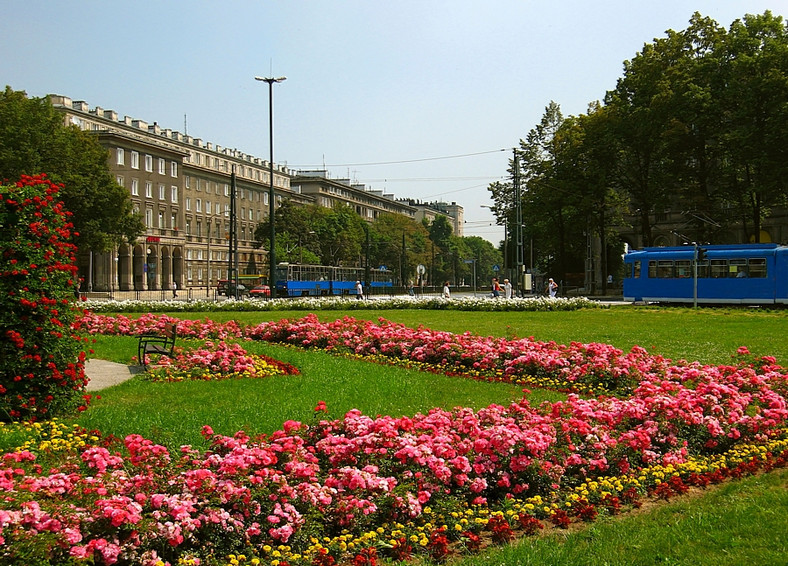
324,165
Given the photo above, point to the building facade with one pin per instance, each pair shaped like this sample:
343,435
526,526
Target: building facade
182,188
368,203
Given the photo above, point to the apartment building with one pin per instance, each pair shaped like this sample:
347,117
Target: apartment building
367,202
181,186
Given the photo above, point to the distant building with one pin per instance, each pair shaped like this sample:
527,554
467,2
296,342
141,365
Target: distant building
368,203
453,212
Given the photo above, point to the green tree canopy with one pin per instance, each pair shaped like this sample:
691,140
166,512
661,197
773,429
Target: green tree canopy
34,139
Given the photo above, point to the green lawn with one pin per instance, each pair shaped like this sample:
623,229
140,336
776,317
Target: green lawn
742,522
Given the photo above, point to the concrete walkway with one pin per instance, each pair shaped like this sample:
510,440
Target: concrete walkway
103,374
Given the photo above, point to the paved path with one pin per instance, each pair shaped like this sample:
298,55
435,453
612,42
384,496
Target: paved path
103,374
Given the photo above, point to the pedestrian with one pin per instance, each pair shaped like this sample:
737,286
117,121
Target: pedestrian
446,292
359,291
411,292
496,288
552,288
174,290
507,289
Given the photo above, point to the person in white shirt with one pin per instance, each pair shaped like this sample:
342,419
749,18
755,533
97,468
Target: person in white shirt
446,292
359,291
507,289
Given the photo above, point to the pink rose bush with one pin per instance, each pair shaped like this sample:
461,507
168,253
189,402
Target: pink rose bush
356,489
219,360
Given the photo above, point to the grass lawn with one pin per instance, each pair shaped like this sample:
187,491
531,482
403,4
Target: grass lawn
742,522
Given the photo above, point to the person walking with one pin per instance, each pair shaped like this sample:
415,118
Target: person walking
446,291
496,288
174,290
507,289
359,291
552,288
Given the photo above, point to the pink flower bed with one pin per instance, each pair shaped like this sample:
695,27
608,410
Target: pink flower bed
351,475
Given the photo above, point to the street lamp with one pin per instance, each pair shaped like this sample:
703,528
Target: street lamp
272,239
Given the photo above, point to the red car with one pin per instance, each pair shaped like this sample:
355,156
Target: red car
260,291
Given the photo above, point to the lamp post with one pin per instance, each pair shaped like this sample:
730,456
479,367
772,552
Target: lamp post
271,208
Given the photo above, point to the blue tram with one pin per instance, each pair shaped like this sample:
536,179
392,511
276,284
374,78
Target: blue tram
298,280
726,274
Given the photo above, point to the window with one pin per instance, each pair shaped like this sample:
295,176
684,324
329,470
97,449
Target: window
226,190
148,189
265,199
188,203
119,180
251,214
161,220
187,181
664,269
636,269
757,267
135,160
683,268
719,268
198,205
173,194
173,221
135,187
161,192
173,169
207,207
199,229
226,209
149,163
188,227
737,267
162,166
149,217
121,156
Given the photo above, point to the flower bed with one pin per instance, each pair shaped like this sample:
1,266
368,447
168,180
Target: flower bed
338,303
355,489
214,361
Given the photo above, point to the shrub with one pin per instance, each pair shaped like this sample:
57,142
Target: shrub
42,372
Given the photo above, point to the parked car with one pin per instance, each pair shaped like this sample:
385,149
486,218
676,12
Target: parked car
260,291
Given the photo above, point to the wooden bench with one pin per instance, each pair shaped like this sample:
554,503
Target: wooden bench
158,343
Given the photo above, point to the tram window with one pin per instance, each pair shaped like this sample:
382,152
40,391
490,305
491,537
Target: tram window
757,267
636,269
664,269
703,269
652,269
719,268
683,268
737,267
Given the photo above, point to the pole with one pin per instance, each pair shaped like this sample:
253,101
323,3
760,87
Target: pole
518,223
232,274
695,278
271,207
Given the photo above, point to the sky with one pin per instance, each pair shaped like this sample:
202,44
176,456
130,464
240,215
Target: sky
422,99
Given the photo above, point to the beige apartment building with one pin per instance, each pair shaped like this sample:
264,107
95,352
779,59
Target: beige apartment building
181,185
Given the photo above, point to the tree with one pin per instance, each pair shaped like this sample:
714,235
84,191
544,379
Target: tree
34,139
399,243
296,239
754,63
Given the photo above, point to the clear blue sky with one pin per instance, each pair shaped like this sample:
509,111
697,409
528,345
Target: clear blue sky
414,97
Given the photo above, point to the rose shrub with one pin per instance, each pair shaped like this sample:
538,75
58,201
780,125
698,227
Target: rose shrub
42,369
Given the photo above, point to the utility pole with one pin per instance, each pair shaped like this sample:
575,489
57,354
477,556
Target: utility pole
232,267
518,224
